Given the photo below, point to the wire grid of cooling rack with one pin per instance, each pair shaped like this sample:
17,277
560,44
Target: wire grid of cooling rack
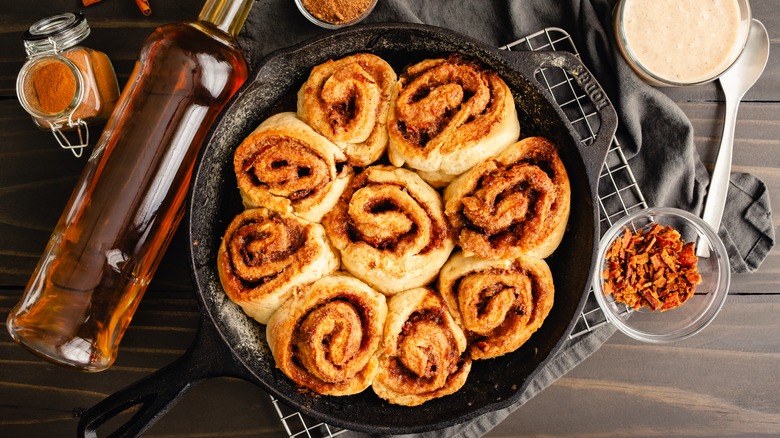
618,194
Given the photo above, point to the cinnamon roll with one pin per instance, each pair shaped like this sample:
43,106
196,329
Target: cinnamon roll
422,354
517,203
498,303
287,167
326,337
346,101
390,229
448,115
264,254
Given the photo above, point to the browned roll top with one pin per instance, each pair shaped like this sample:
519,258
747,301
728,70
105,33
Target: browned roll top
264,254
427,354
259,250
346,100
287,166
390,228
437,92
325,338
498,303
422,357
331,340
517,203
328,338
386,216
448,115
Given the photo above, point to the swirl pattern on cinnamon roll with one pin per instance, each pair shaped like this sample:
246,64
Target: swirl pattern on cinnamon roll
422,354
517,203
285,166
347,101
448,115
498,303
265,254
326,337
390,229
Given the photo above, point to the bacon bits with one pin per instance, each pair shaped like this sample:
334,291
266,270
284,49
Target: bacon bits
652,268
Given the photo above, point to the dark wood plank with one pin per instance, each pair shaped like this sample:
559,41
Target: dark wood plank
757,133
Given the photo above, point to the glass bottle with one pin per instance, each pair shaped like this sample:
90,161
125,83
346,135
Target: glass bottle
63,85
131,195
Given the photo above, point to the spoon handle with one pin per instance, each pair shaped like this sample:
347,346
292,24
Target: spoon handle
719,183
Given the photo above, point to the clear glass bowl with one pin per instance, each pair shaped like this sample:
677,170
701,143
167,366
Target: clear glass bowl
329,25
662,32
692,316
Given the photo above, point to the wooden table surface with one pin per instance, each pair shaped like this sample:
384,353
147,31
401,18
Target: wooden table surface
723,382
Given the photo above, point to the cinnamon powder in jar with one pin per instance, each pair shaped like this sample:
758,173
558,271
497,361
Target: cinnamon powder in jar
54,86
337,11
63,84
50,88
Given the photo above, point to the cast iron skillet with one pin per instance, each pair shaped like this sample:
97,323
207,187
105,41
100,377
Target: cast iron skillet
231,344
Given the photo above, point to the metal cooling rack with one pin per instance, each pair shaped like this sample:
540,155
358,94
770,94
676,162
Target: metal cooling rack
618,191
618,194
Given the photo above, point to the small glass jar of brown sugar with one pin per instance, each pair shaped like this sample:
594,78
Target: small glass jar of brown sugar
334,14
65,86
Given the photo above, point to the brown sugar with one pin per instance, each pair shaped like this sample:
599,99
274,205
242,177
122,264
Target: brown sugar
55,87
337,11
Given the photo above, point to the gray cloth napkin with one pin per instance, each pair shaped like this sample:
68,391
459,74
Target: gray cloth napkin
746,228
654,133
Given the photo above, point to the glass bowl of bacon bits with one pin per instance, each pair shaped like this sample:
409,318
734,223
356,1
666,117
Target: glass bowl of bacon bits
662,275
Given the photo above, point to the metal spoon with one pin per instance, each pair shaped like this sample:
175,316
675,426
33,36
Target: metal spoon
735,83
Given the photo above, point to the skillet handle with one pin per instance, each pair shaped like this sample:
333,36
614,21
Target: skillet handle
154,395
593,153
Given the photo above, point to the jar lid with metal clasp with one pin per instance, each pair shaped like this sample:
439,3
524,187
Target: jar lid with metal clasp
63,85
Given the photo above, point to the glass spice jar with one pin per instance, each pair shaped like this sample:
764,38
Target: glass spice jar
63,85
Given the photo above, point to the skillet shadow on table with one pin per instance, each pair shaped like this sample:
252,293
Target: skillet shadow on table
215,201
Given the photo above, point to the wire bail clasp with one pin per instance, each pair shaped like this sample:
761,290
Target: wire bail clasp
82,131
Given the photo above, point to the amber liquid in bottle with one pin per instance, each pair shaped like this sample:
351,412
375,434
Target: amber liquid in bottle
130,197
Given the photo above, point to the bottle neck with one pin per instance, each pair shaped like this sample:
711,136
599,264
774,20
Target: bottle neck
227,15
